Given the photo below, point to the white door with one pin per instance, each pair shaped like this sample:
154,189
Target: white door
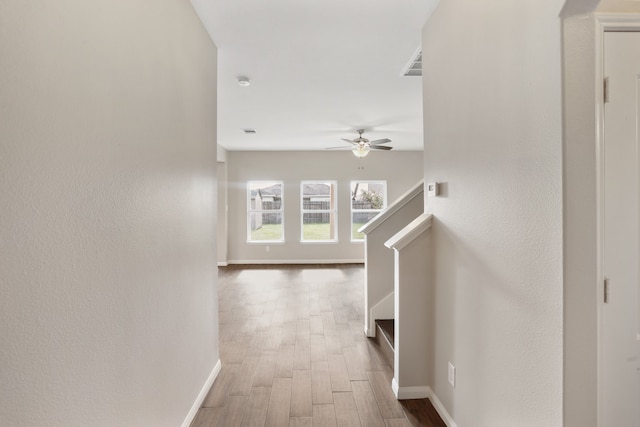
619,376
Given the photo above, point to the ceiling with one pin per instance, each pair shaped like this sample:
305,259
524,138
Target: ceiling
319,70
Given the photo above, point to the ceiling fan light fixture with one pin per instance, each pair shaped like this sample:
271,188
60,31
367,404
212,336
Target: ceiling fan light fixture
361,146
360,151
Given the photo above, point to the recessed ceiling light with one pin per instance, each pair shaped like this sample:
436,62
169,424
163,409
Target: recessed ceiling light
249,131
243,81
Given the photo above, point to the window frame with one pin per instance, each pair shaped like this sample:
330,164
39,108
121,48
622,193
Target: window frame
355,211
333,211
252,211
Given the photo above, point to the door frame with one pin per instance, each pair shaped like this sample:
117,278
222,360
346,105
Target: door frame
604,22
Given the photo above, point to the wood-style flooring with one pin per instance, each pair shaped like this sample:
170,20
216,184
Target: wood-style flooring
294,353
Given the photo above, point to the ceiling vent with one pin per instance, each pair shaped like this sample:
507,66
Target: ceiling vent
414,68
249,131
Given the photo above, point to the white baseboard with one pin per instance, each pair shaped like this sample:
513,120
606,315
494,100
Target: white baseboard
222,263
441,409
402,393
295,261
202,395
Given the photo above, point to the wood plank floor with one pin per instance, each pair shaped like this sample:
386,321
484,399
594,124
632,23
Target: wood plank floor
294,353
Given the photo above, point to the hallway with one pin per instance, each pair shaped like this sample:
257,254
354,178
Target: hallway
294,353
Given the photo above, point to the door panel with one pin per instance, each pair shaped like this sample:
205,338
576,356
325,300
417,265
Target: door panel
619,377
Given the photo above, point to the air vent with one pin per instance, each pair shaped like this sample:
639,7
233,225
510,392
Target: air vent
249,131
414,68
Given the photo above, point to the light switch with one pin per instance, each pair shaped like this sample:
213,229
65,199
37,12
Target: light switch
433,189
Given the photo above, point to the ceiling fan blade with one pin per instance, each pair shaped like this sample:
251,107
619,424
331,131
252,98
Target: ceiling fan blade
380,147
380,141
348,140
344,147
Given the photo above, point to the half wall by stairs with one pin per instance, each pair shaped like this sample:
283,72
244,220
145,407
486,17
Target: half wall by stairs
398,295
412,326
379,260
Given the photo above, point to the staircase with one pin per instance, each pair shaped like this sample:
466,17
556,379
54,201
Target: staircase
397,292
379,260
412,329
385,338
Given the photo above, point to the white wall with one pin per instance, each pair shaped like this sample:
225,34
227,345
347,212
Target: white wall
401,170
580,250
493,137
222,154
581,294
223,218
618,6
108,312
222,225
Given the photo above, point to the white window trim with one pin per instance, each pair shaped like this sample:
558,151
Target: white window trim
333,212
250,211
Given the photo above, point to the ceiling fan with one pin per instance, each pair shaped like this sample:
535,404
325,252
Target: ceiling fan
361,146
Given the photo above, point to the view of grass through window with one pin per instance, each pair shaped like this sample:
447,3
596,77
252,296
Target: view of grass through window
265,214
318,206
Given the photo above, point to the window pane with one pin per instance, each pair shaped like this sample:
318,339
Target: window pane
266,226
317,196
264,215
318,211
368,195
368,198
358,219
265,195
317,226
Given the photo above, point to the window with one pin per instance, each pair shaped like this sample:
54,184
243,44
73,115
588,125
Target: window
368,198
319,209
264,213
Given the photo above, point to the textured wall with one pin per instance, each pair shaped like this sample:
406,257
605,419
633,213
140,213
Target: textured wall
581,294
618,6
222,235
401,170
580,250
493,137
107,164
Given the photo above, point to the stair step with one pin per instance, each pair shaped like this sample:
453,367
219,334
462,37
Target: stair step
386,327
384,339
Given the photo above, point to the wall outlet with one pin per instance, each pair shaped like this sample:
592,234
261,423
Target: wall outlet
452,375
267,248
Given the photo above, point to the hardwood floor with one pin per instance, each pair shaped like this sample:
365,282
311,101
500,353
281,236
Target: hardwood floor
294,353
